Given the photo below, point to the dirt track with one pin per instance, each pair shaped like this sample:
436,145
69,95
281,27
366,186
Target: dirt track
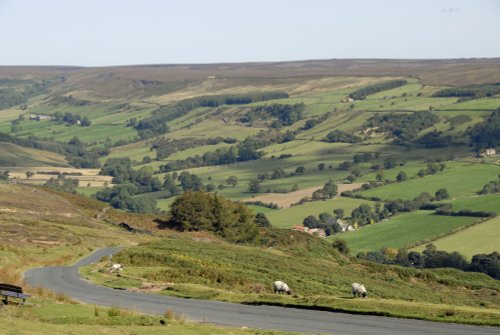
285,200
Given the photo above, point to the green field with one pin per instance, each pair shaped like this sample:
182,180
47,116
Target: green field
480,238
294,216
403,230
486,203
460,180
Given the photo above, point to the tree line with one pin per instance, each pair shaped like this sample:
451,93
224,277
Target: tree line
156,124
284,114
432,258
404,127
362,93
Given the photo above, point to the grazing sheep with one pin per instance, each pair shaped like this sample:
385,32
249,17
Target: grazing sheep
359,290
281,287
117,267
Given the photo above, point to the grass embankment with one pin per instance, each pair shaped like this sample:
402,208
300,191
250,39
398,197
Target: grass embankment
319,278
43,228
45,317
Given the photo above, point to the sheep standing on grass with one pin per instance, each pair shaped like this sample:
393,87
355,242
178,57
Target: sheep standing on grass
117,267
281,287
359,290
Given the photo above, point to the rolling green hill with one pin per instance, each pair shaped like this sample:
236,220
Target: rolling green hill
290,126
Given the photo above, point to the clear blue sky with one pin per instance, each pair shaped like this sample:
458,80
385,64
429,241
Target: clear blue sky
121,32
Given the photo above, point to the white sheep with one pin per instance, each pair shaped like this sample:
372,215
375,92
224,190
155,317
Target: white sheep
359,290
281,287
117,267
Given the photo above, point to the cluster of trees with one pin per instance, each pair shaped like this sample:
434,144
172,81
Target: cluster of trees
487,133
4,175
122,197
491,187
284,114
341,136
71,119
404,127
362,93
364,214
200,211
469,92
15,92
78,155
69,100
157,123
432,258
435,139
246,150
165,148
324,221
61,183
74,151
311,123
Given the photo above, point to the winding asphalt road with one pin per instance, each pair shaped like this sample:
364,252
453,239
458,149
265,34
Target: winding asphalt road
68,281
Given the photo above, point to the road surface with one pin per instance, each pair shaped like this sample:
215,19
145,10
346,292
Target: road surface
68,281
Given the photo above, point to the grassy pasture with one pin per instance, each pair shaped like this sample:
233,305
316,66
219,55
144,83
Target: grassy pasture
221,271
460,180
480,238
489,104
487,203
402,230
14,155
293,216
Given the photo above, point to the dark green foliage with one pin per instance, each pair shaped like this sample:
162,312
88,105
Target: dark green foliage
487,133
311,222
284,115
433,258
61,183
116,166
190,181
68,100
157,123
363,215
195,211
330,189
404,127
339,213
487,263
362,157
300,170
469,92
390,163
232,181
4,175
346,165
341,246
254,186
341,136
321,166
362,93
491,187
15,92
262,221
435,139
401,176
262,204
245,151
441,194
